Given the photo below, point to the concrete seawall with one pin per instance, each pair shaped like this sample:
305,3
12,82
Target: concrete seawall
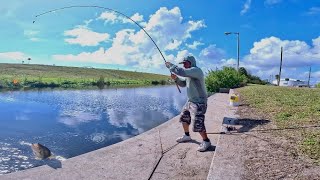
136,158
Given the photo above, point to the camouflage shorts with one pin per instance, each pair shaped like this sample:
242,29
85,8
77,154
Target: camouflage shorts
194,112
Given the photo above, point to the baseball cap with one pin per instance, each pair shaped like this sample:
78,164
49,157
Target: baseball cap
191,59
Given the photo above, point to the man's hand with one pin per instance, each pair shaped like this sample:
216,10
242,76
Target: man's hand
173,76
168,64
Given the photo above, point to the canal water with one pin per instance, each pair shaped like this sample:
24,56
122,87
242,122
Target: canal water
73,122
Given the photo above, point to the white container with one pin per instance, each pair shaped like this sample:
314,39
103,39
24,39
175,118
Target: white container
234,100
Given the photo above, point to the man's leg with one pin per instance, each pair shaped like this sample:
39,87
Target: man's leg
206,141
185,127
185,119
198,111
204,135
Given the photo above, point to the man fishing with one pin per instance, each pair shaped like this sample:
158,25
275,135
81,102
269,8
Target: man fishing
196,106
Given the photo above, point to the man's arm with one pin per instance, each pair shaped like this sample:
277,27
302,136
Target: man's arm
181,71
178,81
181,83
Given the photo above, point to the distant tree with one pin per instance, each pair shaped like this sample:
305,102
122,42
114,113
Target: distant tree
227,77
251,78
243,71
100,82
29,59
255,80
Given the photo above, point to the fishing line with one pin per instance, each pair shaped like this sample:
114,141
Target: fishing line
158,162
265,130
109,9
162,153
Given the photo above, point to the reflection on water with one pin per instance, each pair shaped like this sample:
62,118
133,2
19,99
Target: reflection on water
74,122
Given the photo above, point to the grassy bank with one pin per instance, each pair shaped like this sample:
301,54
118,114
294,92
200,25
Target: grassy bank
290,107
17,76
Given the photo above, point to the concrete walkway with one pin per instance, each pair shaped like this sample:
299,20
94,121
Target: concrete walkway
227,162
137,157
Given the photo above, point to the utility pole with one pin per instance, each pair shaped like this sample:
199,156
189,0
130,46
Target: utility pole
280,67
309,77
238,51
238,46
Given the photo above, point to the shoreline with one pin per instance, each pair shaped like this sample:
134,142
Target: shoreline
3,90
17,76
136,157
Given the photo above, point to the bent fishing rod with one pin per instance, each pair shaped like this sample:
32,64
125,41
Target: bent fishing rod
109,9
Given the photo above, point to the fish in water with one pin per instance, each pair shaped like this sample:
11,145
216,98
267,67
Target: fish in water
40,151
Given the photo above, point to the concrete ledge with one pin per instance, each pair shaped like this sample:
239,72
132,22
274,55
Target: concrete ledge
227,163
135,158
224,90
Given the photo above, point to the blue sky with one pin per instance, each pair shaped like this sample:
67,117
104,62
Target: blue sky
99,38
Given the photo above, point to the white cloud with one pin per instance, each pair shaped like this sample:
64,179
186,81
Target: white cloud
272,2
112,17
131,117
85,25
174,44
266,52
30,32
31,35
264,57
228,62
35,39
87,22
137,17
85,37
314,11
207,65
13,56
98,56
246,7
135,48
108,17
194,45
212,53
74,118
166,25
316,74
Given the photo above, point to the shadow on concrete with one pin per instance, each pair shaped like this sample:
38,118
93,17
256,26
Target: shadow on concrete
246,124
194,141
53,163
211,148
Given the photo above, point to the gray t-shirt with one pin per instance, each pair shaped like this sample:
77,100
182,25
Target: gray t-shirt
194,81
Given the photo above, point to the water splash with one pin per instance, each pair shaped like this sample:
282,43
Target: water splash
12,159
60,158
24,143
98,137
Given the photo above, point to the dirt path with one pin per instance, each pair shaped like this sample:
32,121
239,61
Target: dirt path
267,154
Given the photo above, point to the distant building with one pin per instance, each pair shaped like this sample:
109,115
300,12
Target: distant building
291,82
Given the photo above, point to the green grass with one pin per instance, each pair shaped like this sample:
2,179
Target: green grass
290,107
38,76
